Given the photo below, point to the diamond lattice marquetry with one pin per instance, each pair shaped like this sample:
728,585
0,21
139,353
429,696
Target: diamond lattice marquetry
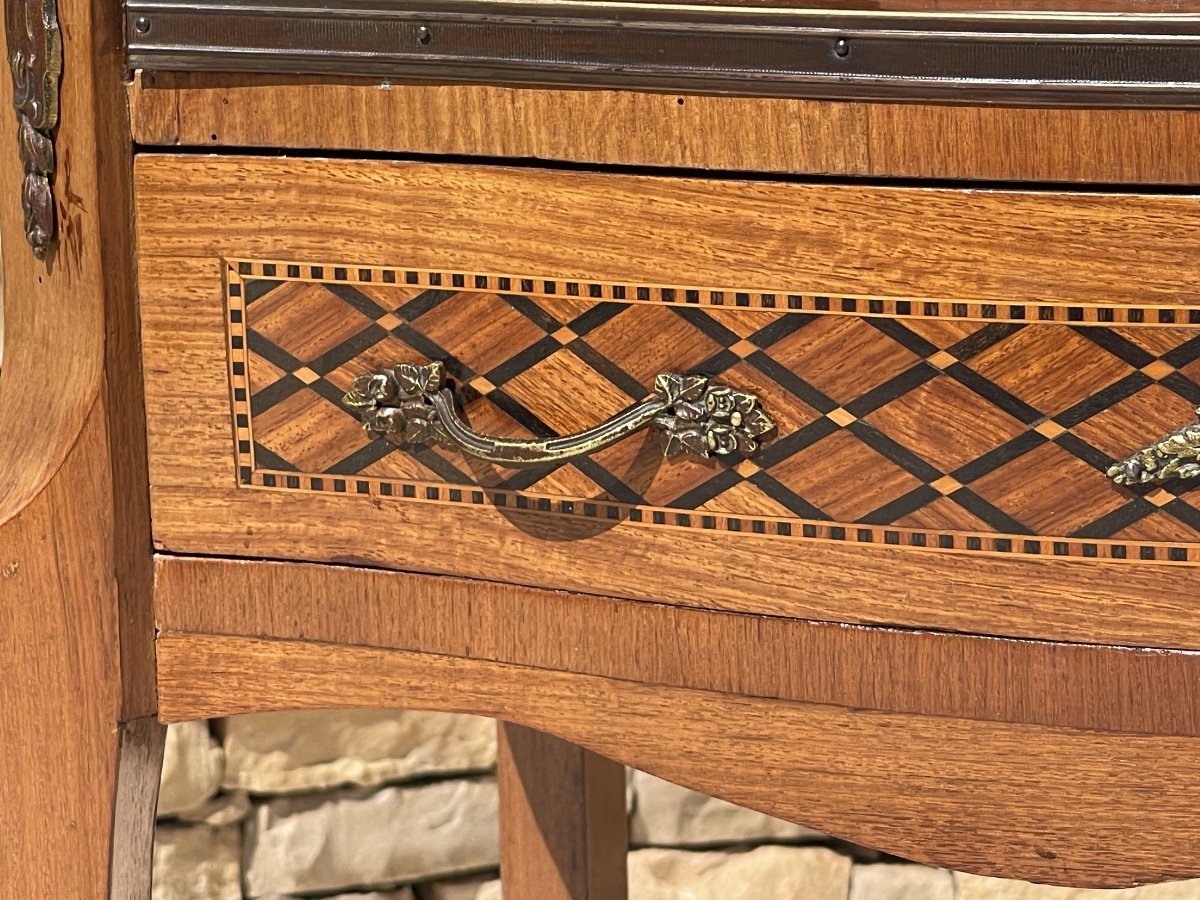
925,423
949,422
844,356
1069,368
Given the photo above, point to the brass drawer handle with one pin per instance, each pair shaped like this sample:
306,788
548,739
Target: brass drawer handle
411,404
1175,456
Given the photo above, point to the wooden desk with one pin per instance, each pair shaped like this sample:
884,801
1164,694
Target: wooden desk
902,577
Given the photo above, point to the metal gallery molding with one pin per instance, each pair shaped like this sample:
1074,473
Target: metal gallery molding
1028,58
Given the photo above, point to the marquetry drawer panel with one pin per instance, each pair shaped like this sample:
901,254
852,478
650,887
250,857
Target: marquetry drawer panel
920,424
951,375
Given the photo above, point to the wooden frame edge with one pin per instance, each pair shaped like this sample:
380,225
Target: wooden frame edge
949,792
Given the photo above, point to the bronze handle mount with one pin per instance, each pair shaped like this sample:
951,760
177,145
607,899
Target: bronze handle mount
411,404
1176,456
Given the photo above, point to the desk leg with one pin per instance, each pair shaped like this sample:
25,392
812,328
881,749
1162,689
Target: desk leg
134,807
563,828
77,700
80,776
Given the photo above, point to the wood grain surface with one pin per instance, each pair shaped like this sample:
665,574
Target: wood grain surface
769,236
920,673
1085,600
1020,801
62,685
563,828
67,347
76,628
142,744
894,140
987,435
111,224
1082,248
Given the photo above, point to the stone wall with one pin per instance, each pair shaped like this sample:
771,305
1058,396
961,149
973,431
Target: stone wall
402,806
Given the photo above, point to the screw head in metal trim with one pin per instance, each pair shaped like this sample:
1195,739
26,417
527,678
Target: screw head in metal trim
424,35
142,24
841,47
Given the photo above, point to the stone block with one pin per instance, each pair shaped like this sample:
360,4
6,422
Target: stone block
401,894
766,873
667,815
461,889
978,887
223,809
357,839
888,881
197,863
193,766
293,752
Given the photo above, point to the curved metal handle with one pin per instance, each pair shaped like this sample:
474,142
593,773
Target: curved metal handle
411,404
1175,456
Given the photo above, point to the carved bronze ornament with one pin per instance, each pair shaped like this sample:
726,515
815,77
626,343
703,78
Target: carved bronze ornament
35,54
412,405
1175,456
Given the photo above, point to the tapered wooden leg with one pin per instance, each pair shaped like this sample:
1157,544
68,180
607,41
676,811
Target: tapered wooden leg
563,829
142,745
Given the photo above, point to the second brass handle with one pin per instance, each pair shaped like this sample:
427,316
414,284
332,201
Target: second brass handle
1176,456
411,404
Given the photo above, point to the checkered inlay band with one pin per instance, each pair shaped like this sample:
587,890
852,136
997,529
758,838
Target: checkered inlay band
928,425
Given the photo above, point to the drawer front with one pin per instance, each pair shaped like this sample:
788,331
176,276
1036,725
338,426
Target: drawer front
930,425
940,449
